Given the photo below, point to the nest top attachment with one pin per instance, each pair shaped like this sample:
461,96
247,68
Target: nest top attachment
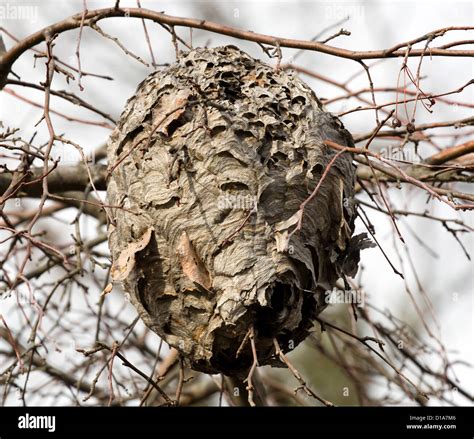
210,162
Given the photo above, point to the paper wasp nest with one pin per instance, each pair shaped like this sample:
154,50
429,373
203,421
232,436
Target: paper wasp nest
210,163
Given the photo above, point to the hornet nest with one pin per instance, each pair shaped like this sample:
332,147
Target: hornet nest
209,165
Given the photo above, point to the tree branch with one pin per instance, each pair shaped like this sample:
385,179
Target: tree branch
61,179
93,16
451,153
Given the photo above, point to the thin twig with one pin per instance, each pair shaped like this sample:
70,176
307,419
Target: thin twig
250,387
297,375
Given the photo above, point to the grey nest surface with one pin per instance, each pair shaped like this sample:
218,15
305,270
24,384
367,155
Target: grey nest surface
208,167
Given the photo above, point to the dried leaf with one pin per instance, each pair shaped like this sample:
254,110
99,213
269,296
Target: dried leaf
192,266
106,290
282,235
171,108
126,261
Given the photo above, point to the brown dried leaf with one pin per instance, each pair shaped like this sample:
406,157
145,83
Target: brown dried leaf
172,105
106,290
282,234
126,261
192,266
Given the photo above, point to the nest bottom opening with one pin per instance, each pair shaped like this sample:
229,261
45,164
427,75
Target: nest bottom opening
232,348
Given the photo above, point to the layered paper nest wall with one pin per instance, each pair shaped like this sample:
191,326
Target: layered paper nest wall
209,164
